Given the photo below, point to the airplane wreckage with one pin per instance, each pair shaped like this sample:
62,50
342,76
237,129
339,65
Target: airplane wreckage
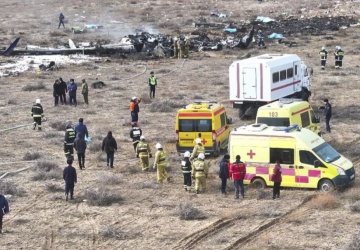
156,45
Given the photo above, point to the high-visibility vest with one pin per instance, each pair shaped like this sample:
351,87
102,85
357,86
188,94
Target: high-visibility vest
153,80
132,106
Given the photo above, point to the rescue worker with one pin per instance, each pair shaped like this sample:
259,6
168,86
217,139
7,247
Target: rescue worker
134,110
160,163
63,92
175,46
85,91
4,209
187,47
237,173
81,128
199,172
323,57
224,172
198,149
61,20
339,56
143,152
56,92
70,177
135,135
37,112
186,169
152,84
276,178
327,114
109,145
180,46
69,142
72,87
80,147
260,40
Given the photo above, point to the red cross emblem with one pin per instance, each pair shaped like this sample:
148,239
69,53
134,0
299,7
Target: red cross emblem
251,154
203,141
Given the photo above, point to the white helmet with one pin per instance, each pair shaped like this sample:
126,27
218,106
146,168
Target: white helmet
37,101
158,145
339,47
198,140
201,156
323,48
142,137
133,98
187,154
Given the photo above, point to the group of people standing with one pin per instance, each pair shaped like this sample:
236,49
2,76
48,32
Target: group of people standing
60,88
181,46
237,171
338,56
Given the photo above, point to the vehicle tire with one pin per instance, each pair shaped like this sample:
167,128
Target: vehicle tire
326,185
242,110
259,183
319,134
217,150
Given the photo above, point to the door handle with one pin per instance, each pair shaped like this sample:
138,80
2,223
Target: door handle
291,166
301,167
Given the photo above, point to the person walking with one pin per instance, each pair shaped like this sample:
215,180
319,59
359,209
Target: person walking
135,135
323,57
134,110
276,178
37,112
69,142
61,20
4,209
237,173
199,172
85,91
70,177
80,147
160,163
56,92
72,87
186,169
327,114
224,172
81,129
63,88
339,56
143,152
260,40
187,47
198,149
152,84
109,145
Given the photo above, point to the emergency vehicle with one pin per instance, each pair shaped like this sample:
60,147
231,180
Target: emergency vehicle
307,160
206,120
286,112
266,78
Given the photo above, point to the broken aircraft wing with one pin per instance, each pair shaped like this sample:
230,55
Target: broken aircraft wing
11,48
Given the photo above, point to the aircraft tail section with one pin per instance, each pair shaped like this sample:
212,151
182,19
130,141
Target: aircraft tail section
11,48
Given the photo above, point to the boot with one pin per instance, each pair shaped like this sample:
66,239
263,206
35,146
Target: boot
66,197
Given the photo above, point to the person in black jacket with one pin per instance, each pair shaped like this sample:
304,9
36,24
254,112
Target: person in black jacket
186,169
327,113
57,91
109,145
61,20
63,88
4,209
224,172
37,112
80,147
70,178
135,134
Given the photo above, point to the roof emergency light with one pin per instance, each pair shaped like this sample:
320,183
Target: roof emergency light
288,129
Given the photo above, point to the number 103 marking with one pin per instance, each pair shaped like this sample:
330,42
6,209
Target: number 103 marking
273,114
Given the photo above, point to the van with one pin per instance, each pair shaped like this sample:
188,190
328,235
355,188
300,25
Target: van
307,160
206,120
286,112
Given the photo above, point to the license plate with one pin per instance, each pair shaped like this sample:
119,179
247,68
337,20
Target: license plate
352,176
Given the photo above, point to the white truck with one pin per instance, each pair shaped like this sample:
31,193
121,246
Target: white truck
262,79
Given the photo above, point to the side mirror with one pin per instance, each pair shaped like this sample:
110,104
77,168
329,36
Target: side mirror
229,120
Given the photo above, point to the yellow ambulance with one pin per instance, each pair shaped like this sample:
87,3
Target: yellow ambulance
286,112
206,120
307,160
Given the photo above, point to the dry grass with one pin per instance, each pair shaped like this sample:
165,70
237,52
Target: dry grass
54,188
188,211
34,87
12,188
354,243
325,201
31,156
102,196
109,179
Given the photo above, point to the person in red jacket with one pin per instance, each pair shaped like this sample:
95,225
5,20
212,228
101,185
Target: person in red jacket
237,173
277,178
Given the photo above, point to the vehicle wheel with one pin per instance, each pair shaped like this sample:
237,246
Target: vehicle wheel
326,186
259,183
217,150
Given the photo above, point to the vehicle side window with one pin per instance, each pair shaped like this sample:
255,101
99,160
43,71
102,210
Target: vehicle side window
284,155
276,77
290,72
296,70
203,125
186,125
223,119
283,75
277,122
305,119
307,157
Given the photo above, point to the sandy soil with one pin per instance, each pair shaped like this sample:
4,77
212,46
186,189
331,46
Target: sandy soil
148,217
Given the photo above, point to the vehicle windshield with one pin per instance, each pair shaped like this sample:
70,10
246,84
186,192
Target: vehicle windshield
326,152
277,122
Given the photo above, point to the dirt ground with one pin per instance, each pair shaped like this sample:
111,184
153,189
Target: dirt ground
148,216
